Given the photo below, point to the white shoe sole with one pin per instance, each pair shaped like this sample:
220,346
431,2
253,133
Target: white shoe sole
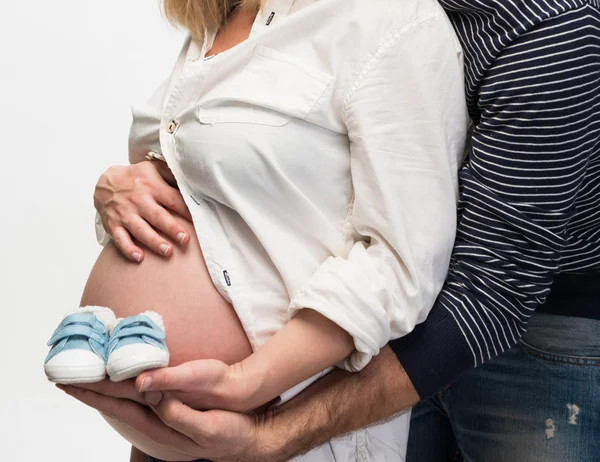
130,361
75,374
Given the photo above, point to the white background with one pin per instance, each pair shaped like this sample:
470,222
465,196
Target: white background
69,70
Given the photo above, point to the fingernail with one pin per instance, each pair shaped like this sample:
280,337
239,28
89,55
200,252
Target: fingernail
153,398
181,237
137,256
146,382
164,249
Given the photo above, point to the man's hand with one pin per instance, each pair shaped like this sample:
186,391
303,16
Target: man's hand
179,430
338,403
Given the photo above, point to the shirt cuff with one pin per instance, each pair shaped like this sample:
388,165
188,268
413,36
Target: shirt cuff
350,297
102,236
435,353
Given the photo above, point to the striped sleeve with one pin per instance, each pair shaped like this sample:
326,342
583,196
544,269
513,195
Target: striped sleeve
540,119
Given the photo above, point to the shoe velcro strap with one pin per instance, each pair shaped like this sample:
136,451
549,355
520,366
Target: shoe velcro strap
139,321
88,319
137,331
76,330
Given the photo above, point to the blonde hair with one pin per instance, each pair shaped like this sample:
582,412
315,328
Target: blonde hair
197,15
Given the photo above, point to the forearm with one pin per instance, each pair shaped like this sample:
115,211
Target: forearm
308,344
339,403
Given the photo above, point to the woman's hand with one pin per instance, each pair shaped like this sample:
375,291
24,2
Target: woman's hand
134,202
205,384
308,345
163,169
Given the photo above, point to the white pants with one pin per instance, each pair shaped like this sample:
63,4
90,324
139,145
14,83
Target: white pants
385,442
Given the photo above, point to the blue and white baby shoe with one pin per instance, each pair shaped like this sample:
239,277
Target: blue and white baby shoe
136,344
78,353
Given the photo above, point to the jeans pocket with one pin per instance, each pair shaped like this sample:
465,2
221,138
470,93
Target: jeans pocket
557,357
564,339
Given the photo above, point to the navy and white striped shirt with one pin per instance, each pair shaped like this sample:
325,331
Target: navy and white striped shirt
530,203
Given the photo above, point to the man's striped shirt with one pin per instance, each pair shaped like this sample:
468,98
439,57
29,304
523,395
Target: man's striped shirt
530,187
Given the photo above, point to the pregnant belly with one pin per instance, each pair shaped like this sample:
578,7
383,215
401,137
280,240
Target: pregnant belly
199,322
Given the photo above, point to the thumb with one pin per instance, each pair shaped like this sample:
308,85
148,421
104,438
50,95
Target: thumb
169,378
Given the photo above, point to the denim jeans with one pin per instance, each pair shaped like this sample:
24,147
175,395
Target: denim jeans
538,402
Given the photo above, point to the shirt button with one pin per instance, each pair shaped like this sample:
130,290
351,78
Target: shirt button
171,127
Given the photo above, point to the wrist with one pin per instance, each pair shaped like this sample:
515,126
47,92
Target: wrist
251,378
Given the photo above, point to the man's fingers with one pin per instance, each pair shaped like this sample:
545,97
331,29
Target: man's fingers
139,418
112,407
122,240
124,390
193,424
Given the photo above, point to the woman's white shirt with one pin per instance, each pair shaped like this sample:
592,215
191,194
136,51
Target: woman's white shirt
319,161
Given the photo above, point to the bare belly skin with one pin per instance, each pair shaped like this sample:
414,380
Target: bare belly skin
199,322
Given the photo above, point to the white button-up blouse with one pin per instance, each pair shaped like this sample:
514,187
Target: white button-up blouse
319,162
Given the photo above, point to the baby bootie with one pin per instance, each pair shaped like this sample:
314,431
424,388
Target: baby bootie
136,344
78,353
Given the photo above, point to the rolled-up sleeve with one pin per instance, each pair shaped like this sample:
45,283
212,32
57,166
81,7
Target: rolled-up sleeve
407,121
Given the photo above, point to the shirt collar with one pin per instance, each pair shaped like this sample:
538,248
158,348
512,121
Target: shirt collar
273,13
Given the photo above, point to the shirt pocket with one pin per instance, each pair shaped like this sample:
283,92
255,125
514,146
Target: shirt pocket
272,89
